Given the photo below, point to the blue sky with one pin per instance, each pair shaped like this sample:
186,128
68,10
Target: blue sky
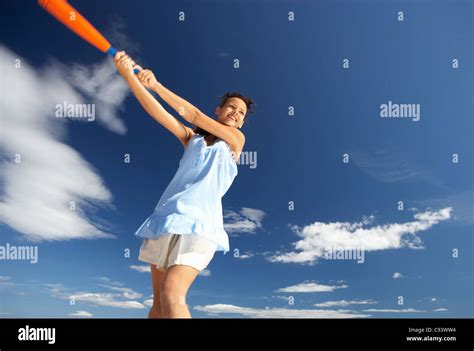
328,176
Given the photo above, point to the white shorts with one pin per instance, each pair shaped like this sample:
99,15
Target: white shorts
172,249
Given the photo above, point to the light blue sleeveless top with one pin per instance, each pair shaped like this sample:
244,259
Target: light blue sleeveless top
191,204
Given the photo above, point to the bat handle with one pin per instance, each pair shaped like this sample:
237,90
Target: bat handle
112,51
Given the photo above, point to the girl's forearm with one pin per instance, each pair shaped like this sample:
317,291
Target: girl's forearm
148,101
184,108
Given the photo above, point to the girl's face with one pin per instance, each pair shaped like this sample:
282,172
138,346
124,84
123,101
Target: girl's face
232,113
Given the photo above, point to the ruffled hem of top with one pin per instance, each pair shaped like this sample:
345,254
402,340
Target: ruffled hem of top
155,225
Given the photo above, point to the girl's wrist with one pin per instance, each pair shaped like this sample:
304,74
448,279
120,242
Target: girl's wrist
156,87
132,80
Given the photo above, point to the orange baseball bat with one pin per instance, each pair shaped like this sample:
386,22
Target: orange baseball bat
67,15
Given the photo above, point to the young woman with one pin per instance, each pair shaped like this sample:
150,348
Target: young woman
186,228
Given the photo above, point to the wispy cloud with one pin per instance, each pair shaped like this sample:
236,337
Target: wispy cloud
277,312
389,165
246,255
122,297
116,32
308,287
280,297
405,310
107,280
344,303
4,279
107,299
6,283
442,309
140,268
81,314
124,292
44,179
319,237
247,220
397,275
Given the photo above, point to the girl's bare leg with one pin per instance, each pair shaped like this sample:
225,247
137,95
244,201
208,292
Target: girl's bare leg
177,281
157,279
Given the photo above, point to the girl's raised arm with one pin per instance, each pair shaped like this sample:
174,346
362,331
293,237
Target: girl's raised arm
234,137
125,66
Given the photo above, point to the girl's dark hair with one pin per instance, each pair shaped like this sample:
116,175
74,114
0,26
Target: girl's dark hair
248,101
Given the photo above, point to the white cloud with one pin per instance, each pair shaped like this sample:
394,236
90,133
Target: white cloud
246,255
319,237
148,302
38,191
406,310
103,87
440,309
345,303
307,287
278,297
81,314
121,299
125,292
461,203
397,275
433,299
4,279
253,214
140,268
277,312
205,273
108,300
248,220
